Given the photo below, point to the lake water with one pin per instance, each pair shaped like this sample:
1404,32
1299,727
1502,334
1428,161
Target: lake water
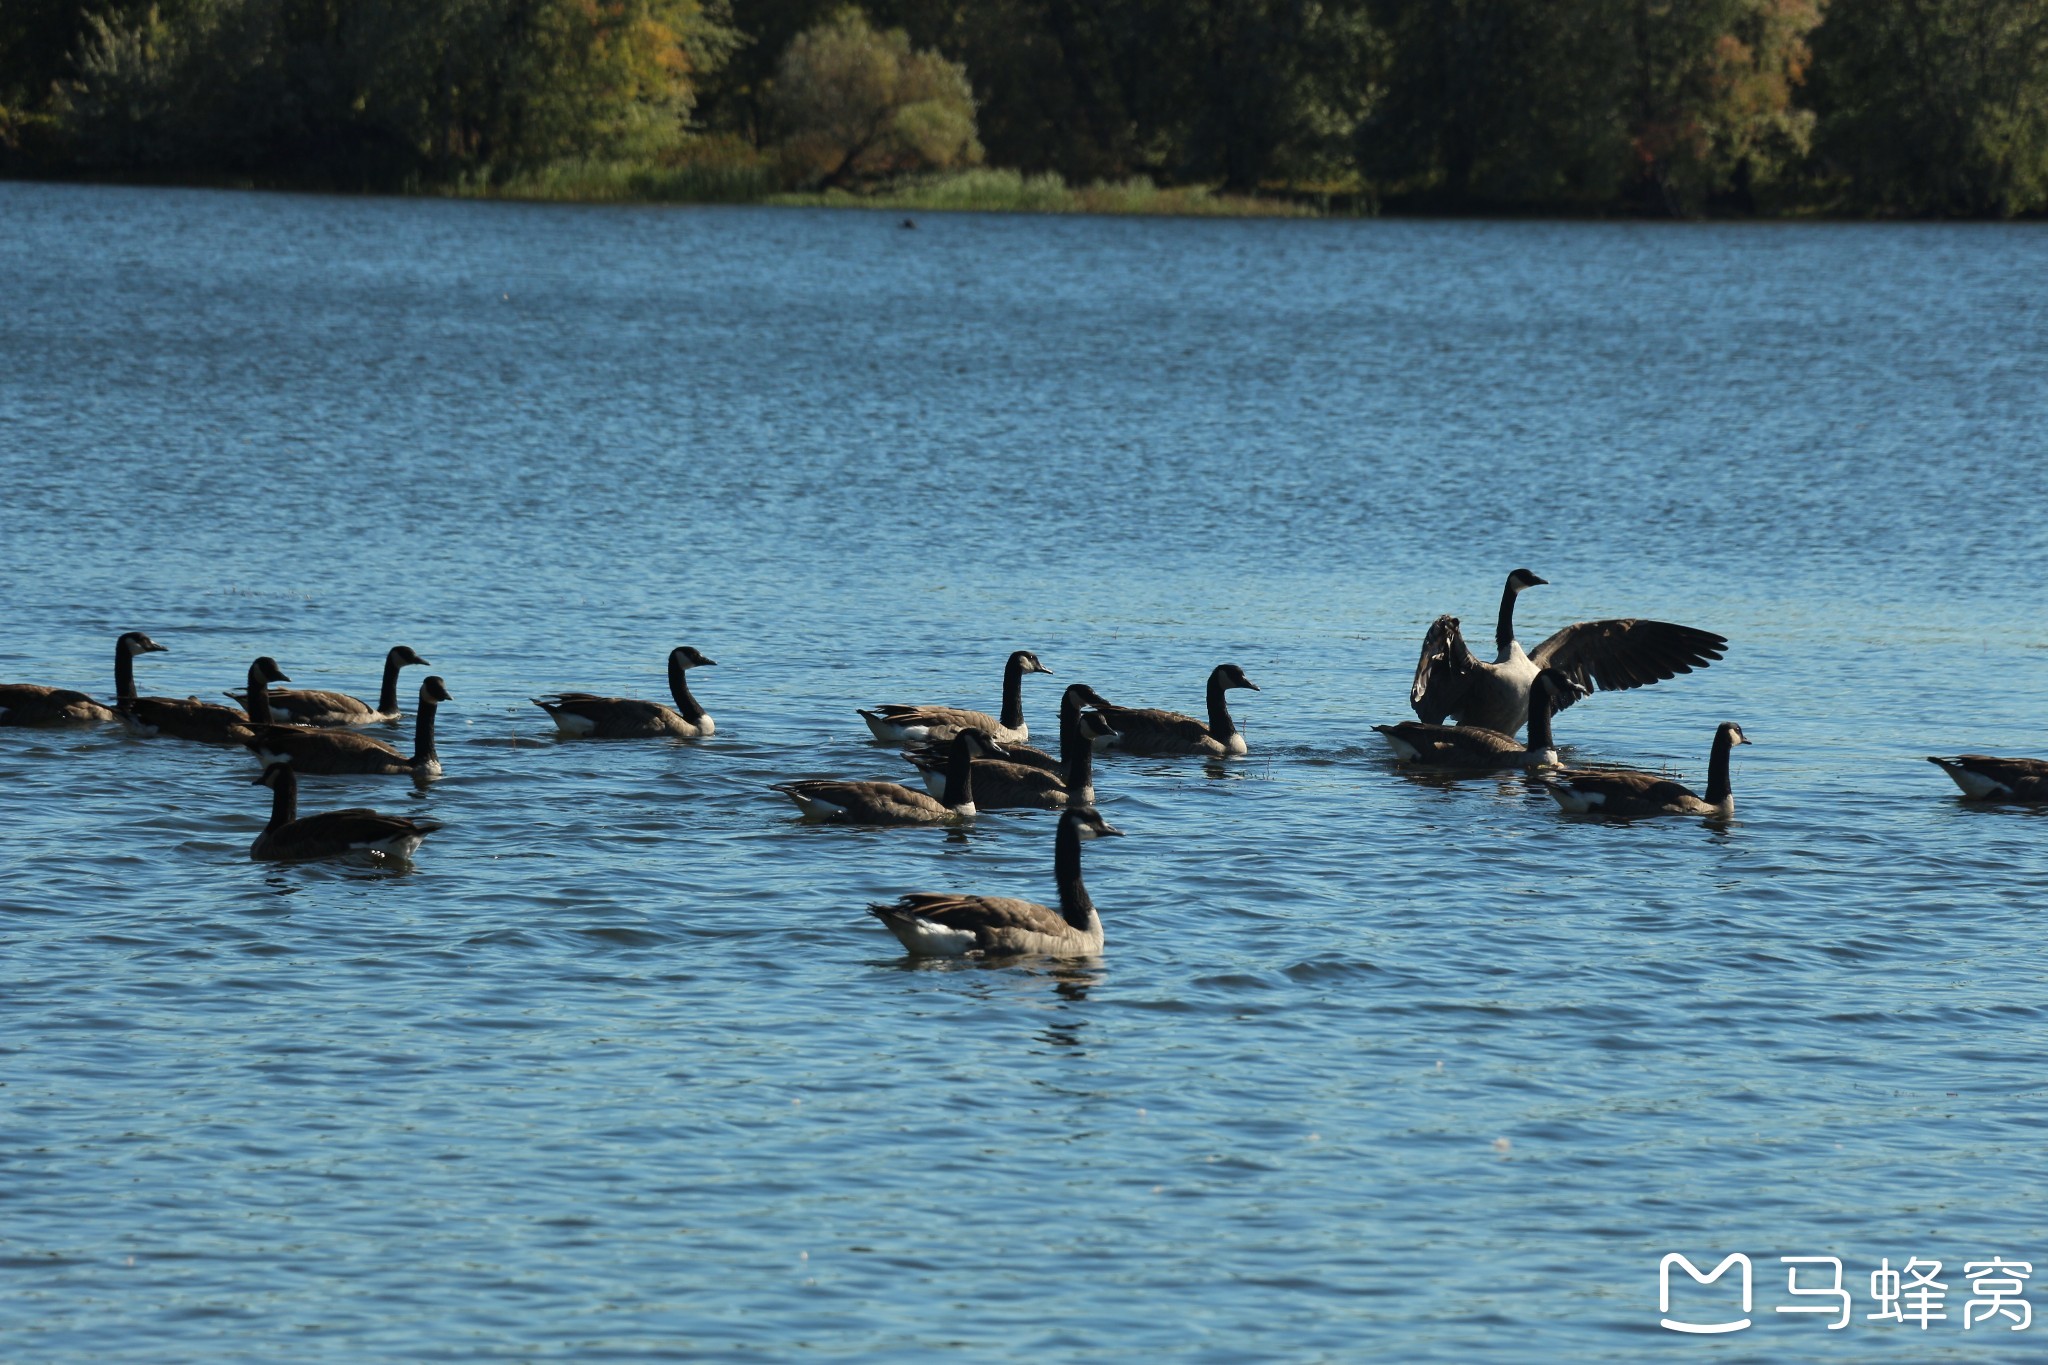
1371,1066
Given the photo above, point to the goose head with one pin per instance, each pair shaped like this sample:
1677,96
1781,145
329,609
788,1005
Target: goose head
266,668
135,642
1081,694
1024,661
1087,823
1230,675
1521,580
1732,732
433,689
273,775
686,656
1096,726
403,656
979,743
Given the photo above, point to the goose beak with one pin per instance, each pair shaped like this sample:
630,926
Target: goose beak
1110,830
1252,685
708,663
154,648
1043,669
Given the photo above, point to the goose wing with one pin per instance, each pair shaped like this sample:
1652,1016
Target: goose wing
1615,655
33,704
1450,744
931,754
1153,726
602,710
190,718
317,751
306,706
871,803
949,718
1623,791
1004,786
338,831
1981,775
1443,675
983,916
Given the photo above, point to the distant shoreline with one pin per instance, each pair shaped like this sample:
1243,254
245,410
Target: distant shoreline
983,191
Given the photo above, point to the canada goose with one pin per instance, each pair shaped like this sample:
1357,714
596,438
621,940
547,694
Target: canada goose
587,715
896,723
349,751
294,706
1984,778
205,721
31,704
1011,783
330,834
1608,656
937,925
1627,794
892,803
1170,732
1470,746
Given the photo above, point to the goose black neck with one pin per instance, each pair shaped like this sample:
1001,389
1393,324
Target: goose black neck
1221,726
1077,753
1539,717
959,774
687,706
1013,694
387,695
1504,629
1718,785
284,800
1075,906
124,674
423,751
258,703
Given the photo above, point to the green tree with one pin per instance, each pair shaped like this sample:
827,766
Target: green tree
1935,106
388,93
857,102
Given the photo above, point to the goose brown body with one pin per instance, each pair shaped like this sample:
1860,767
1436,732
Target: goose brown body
192,719
931,924
32,705
1015,782
892,803
330,834
330,751
1984,778
1144,731
1473,746
309,706
1626,794
900,723
585,715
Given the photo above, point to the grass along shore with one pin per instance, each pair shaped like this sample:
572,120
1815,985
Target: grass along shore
975,191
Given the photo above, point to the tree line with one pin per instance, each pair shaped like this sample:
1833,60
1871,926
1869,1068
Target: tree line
1665,107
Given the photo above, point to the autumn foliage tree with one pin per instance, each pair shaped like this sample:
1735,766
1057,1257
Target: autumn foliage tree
856,102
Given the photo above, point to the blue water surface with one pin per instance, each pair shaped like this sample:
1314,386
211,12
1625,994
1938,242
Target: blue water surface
1371,1067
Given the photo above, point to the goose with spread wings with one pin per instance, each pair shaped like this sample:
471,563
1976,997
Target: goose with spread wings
1596,656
